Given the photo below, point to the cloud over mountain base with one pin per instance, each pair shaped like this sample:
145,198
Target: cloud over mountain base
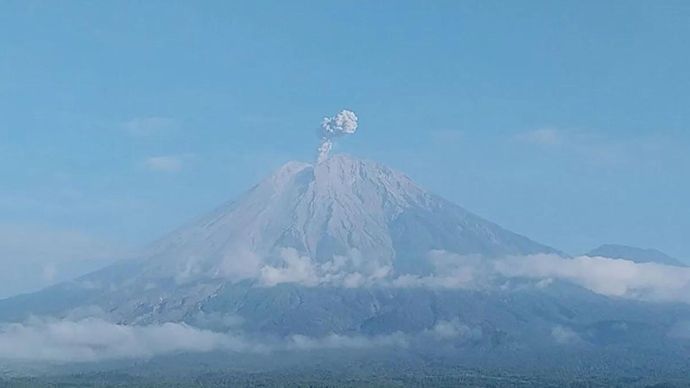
96,339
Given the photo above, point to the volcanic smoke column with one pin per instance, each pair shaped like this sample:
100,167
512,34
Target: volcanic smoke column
344,123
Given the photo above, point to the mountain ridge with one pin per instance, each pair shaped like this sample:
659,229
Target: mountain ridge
635,254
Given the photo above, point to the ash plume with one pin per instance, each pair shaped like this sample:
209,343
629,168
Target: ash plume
344,123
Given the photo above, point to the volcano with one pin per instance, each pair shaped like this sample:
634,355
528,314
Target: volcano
334,249
341,215
340,207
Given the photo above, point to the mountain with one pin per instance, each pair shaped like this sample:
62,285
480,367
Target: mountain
356,215
340,207
350,250
638,255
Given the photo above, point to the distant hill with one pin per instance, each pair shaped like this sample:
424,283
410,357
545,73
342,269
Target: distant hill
638,255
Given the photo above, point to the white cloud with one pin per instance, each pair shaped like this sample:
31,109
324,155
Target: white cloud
650,282
295,269
95,339
167,163
346,271
564,335
610,277
148,126
451,270
336,341
454,329
241,264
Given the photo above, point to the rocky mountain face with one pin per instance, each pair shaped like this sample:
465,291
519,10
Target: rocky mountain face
340,207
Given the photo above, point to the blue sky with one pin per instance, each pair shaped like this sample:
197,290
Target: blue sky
564,121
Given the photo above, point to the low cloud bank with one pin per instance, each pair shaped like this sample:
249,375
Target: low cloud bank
95,339
611,277
336,341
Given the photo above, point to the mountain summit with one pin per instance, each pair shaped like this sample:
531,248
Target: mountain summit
340,207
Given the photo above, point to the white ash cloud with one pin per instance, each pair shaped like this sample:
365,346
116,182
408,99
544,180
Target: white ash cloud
343,123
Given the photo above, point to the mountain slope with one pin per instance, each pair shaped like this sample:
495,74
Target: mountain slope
344,214
340,207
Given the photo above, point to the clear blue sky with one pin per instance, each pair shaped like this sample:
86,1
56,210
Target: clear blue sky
568,122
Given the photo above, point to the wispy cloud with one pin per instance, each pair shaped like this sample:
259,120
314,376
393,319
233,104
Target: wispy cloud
165,163
347,271
593,147
149,126
337,341
544,137
564,335
649,282
96,339
611,277
454,329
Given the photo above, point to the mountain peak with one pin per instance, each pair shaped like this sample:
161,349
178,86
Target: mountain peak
340,207
347,166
